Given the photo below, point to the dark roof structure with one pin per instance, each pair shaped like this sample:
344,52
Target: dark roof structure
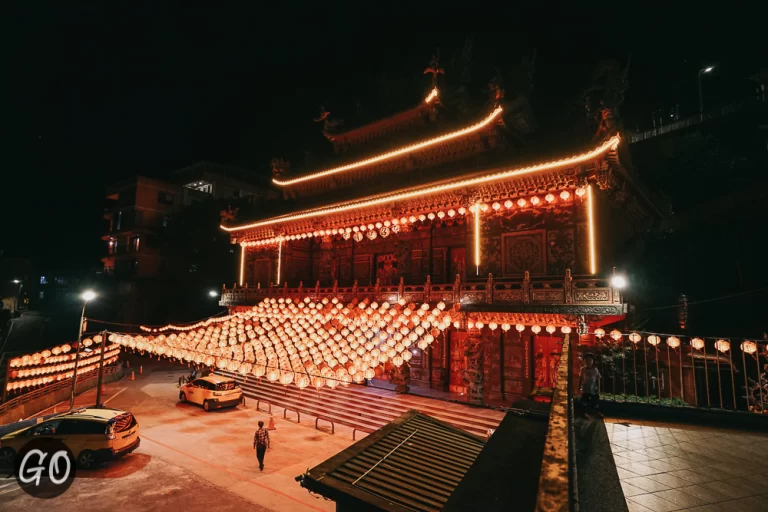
413,463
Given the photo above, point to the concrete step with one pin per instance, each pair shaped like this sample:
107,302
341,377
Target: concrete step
357,408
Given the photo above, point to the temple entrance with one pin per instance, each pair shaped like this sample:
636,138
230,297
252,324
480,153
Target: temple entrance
546,357
262,271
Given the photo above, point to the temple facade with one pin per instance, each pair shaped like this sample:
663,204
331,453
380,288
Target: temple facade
429,206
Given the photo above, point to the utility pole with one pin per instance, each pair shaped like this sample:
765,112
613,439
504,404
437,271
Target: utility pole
101,367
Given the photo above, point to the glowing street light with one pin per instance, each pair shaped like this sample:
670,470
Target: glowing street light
86,296
213,293
619,282
701,99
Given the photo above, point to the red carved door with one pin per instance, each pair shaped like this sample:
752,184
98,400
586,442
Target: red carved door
546,357
457,264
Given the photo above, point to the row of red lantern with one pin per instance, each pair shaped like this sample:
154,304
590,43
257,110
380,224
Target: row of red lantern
721,345
40,381
535,328
307,338
375,229
58,354
58,367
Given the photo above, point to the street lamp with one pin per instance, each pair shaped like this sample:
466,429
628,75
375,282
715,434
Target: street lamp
213,293
701,99
18,298
619,282
86,296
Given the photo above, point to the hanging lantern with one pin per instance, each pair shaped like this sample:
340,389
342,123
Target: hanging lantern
722,346
635,338
697,343
654,340
581,191
616,335
749,347
673,342
564,195
565,329
551,329
599,332
492,326
535,329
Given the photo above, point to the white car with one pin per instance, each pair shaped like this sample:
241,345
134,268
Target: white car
212,392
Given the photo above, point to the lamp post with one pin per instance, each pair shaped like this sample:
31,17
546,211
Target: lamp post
701,98
18,297
85,296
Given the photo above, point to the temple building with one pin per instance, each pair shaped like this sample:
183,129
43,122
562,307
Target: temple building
441,204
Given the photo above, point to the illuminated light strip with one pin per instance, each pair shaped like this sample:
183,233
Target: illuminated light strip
398,152
279,258
242,264
432,96
591,220
609,145
477,238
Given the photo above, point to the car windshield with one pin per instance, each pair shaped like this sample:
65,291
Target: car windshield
226,386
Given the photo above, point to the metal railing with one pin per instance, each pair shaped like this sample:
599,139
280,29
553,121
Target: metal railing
53,387
571,290
685,123
684,372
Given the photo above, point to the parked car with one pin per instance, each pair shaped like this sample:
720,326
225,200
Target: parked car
212,392
92,434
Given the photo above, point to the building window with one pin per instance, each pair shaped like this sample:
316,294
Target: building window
135,243
43,280
41,295
164,198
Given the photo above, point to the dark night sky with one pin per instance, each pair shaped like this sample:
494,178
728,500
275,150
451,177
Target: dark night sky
94,97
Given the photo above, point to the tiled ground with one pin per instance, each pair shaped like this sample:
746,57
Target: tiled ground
665,467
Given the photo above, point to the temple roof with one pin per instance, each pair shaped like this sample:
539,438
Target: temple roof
413,463
488,177
394,153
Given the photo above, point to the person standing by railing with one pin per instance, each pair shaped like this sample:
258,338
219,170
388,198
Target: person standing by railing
588,383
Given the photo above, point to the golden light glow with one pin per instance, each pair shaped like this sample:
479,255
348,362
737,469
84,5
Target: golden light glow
432,96
242,264
477,238
591,220
279,258
397,152
609,145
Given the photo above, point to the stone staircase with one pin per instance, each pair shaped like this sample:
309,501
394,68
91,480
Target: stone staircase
362,408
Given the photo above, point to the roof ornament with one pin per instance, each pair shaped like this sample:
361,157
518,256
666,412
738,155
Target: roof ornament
279,166
496,89
228,215
434,68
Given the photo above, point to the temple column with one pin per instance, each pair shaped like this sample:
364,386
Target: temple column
474,380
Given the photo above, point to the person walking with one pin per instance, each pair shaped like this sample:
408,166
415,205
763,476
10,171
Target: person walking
261,443
589,383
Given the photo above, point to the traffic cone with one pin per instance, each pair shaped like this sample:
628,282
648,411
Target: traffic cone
141,369
271,425
133,375
103,389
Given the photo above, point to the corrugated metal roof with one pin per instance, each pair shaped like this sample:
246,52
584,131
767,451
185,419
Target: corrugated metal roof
414,463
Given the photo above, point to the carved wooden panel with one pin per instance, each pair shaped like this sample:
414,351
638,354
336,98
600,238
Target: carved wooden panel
548,295
507,296
438,265
458,362
262,271
362,268
473,297
417,264
524,250
592,295
561,251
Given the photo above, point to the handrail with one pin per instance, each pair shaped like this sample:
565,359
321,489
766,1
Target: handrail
298,414
262,400
333,426
54,386
356,430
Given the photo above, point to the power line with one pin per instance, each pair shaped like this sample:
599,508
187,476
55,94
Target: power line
707,300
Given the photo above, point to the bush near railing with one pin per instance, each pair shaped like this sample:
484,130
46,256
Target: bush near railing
621,398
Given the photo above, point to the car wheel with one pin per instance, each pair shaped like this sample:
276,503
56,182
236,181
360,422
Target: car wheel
183,397
206,406
85,460
7,457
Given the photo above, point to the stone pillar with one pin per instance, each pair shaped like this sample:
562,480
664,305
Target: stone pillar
474,380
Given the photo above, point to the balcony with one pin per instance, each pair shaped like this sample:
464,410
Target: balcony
569,295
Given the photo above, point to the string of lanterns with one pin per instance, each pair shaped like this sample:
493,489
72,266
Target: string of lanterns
41,375
57,354
305,342
674,342
371,231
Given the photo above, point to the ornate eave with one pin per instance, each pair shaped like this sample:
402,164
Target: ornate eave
482,186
